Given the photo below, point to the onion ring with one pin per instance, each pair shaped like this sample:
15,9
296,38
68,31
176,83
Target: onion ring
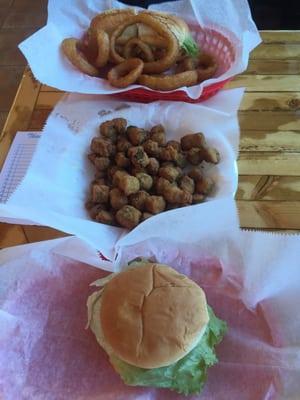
125,73
207,66
99,41
154,40
145,49
172,44
187,64
69,47
169,82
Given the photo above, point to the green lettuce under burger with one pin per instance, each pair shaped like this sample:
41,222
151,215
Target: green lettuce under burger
156,327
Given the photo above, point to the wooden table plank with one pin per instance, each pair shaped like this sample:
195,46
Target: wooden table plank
266,101
266,83
283,164
20,113
277,141
268,187
276,51
11,235
282,37
269,214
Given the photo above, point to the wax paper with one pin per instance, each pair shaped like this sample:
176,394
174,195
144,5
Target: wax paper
56,186
251,279
232,18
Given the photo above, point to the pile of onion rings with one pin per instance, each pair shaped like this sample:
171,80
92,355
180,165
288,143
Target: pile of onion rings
144,48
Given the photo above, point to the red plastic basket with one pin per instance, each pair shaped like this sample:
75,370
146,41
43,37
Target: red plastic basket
210,41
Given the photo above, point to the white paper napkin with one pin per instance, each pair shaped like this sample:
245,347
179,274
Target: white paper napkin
251,279
71,18
56,185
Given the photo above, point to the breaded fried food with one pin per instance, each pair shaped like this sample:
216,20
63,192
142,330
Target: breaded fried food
128,217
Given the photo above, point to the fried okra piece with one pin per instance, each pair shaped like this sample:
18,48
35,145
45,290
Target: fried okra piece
92,157
103,147
158,134
138,170
102,163
138,199
169,172
146,215
161,185
123,144
192,140
153,166
105,217
187,184
111,129
168,153
121,160
138,156
181,160
196,174
127,183
146,181
196,155
173,143
198,198
95,209
155,204
204,186
99,193
136,135
173,194
128,216
100,174
211,155
151,148
99,181
117,199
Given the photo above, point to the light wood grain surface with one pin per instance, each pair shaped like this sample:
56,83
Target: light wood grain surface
268,195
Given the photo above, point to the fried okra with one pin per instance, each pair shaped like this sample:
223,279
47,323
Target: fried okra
102,163
173,194
128,216
187,184
123,144
168,153
173,143
153,166
192,140
117,199
169,172
158,134
155,204
136,135
106,217
198,198
99,193
204,186
121,160
138,156
138,199
127,183
103,147
152,148
111,129
146,181
146,215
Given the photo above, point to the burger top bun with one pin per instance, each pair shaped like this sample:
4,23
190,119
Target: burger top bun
152,316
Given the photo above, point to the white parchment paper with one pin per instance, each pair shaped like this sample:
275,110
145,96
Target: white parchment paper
57,182
71,18
251,279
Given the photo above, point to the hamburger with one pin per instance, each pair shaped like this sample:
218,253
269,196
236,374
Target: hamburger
110,19
156,327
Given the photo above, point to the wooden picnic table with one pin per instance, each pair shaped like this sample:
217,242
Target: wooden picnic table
268,195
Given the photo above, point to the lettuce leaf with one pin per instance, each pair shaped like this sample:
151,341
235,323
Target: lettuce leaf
186,376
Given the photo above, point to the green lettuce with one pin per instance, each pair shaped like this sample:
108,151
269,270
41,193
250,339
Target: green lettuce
186,376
